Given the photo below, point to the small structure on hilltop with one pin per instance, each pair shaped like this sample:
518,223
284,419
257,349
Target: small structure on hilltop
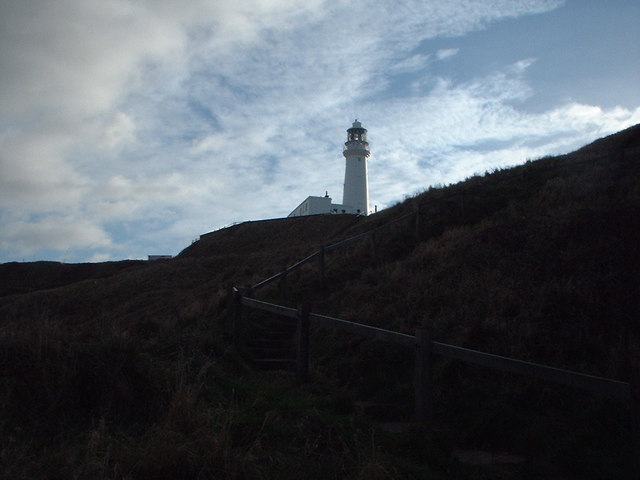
152,258
355,197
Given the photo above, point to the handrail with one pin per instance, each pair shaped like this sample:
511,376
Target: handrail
367,233
329,248
285,271
269,307
598,385
365,330
346,241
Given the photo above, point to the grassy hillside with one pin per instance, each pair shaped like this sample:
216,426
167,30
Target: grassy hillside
25,278
283,234
125,370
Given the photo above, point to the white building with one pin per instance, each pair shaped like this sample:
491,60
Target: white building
355,197
313,206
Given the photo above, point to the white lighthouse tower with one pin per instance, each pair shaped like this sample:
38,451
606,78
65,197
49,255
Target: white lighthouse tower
355,198
356,182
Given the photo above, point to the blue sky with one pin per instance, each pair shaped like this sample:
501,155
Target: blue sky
129,128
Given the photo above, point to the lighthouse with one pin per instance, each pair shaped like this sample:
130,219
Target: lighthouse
355,196
356,182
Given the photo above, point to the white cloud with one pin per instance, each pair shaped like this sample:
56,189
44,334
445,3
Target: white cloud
446,53
119,130
458,130
100,257
77,57
411,64
34,174
128,121
56,232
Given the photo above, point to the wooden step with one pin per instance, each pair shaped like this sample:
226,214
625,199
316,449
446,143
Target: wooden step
274,363
270,352
269,342
270,333
283,323
387,412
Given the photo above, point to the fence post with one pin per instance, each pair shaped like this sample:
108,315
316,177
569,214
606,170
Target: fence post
417,214
302,344
423,399
635,420
373,246
321,267
247,291
283,286
237,317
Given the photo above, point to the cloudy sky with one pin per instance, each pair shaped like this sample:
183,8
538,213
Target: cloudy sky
130,127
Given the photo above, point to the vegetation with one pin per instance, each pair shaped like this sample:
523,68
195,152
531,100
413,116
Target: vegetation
126,370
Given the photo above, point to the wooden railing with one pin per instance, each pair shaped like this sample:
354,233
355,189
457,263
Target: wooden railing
319,255
425,349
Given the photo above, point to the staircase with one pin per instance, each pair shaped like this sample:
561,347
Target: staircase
271,342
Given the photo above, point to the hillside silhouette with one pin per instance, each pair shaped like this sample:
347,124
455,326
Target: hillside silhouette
126,369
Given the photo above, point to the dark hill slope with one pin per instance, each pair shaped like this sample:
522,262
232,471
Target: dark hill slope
271,235
619,143
28,277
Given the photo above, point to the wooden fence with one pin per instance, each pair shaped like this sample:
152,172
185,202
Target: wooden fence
425,349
